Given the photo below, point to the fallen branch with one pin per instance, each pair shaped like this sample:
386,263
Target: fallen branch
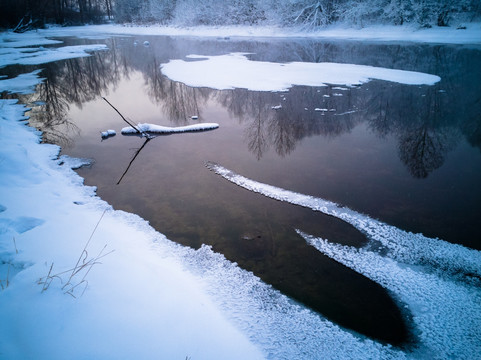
128,122
23,27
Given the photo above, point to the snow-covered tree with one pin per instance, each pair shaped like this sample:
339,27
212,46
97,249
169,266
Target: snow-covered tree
216,12
309,14
161,11
442,12
315,13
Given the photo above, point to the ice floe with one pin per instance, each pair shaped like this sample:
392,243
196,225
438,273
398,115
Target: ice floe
446,313
108,133
40,55
216,72
22,84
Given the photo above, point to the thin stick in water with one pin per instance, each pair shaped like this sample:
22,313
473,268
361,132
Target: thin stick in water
123,118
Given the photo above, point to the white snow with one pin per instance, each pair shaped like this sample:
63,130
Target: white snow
13,50
446,312
149,298
22,84
159,129
108,133
216,72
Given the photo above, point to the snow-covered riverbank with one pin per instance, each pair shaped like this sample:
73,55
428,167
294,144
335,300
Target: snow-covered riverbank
410,33
81,280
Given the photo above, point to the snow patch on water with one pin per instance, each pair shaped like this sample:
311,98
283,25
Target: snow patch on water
22,84
216,72
39,55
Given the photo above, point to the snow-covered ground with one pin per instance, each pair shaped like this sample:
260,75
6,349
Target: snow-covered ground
80,280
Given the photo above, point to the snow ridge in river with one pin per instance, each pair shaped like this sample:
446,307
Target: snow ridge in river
439,281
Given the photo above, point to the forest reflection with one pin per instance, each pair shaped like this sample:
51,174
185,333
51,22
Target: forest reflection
427,121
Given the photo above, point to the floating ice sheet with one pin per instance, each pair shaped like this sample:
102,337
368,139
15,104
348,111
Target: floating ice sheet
22,84
235,70
41,55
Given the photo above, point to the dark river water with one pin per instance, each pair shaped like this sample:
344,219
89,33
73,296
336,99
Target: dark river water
406,155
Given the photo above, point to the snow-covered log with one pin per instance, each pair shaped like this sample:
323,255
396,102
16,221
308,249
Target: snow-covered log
158,129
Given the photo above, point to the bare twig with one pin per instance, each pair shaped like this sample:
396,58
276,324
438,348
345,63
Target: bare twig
128,122
83,263
15,245
8,273
71,290
99,256
48,279
84,251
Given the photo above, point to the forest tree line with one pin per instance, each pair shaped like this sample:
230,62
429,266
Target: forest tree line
310,14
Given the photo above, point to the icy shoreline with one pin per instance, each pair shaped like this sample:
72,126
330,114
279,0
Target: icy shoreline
136,295
380,33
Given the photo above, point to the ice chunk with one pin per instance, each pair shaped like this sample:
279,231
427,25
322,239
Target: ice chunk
108,133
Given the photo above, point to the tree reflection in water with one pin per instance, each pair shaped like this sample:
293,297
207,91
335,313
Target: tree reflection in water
422,119
428,122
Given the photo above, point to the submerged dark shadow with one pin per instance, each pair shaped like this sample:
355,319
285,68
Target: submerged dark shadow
332,289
